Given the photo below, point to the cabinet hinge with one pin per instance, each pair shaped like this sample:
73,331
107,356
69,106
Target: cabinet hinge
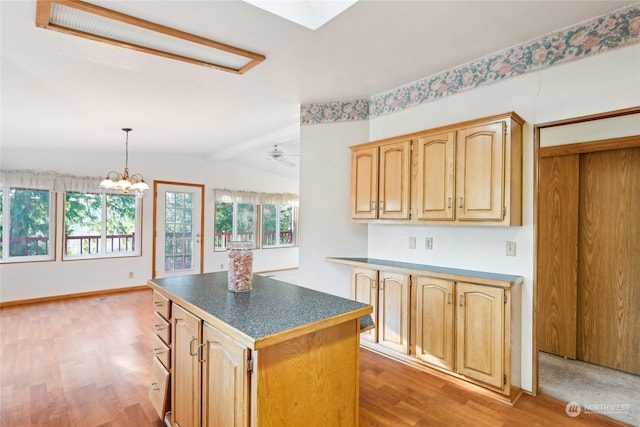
411,146
505,298
249,365
504,211
504,379
506,130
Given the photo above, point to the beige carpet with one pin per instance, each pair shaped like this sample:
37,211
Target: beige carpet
595,388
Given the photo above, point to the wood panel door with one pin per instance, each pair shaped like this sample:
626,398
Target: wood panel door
394,180
435,322
609,259
557,254
435,176
364,183
364,288
393,311
480,164
225,382
480,333
186,371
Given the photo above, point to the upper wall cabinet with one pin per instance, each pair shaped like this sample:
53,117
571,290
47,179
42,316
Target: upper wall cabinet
380,180
467,173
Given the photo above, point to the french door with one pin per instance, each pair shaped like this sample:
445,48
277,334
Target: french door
178,217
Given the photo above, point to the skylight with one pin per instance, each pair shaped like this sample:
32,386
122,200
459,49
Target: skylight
312,14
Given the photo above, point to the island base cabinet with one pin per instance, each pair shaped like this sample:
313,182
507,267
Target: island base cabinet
225,382
311,380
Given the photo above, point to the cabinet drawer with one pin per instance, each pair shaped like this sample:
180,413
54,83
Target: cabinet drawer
162,328
159,387
162,351
162,305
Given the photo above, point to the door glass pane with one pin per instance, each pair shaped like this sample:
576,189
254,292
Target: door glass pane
178,231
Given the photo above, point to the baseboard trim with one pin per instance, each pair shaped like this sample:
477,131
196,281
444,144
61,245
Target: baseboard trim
76,295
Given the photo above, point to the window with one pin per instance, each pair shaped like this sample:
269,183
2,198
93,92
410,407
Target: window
26,232
278,225
237,214
97,225
234,221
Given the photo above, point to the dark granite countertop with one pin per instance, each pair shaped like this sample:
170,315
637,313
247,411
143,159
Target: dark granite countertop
483,277
270,308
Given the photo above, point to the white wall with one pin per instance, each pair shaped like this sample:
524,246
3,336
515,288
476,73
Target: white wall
597,84
34,280
325,194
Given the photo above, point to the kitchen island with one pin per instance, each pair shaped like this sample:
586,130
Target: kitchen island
277,355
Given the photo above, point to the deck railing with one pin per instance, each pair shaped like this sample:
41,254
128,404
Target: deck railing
28,246
90,244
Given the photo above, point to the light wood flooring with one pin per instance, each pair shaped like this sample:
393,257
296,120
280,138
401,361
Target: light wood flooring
86,362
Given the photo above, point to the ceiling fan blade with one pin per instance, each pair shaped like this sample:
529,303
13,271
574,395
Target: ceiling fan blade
286,162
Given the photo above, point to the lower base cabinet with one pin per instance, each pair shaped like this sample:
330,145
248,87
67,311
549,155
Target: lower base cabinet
210,375
460,328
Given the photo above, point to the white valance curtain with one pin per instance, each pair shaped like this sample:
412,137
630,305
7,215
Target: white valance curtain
231,196
50,180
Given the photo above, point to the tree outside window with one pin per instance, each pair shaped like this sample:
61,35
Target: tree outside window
234,221
28,225
278,225
99,225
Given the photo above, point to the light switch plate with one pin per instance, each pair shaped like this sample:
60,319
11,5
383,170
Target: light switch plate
511,248
412,242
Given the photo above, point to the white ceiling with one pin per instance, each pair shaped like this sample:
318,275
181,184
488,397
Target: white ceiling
63,91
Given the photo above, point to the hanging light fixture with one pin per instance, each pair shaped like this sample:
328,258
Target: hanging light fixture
125,182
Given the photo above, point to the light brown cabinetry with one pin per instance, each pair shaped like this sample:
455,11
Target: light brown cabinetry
210,376
469,172
388,293
380,180
435,176
160,374
464,325
435,332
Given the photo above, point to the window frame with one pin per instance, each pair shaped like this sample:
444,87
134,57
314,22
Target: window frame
234,231
102,253
294,226
6,257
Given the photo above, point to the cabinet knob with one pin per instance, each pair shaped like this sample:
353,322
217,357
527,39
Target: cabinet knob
373,205
460,204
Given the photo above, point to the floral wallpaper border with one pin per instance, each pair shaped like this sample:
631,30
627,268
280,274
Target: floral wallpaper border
615,30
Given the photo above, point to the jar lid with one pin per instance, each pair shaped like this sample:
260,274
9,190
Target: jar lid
240,245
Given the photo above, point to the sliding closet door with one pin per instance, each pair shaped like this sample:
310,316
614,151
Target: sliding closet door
557,254
609,259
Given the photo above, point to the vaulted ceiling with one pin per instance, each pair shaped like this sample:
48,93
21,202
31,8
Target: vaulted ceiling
73,93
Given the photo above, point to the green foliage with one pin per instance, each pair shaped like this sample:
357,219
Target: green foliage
224,217
28,217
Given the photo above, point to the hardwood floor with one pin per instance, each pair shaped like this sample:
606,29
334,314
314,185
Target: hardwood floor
86,362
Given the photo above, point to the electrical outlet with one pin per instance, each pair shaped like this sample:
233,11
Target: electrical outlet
511,248
412,242
131,275
428,243
221,266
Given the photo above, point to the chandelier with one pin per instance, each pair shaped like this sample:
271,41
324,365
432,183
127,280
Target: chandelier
125,182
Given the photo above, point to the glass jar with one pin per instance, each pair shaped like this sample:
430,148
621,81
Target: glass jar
240,266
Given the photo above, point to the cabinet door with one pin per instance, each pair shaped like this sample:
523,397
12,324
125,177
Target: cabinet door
480,172
225,382
434,322
394,180
480,333
185,391
364,288
393,311
435,176
364,183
